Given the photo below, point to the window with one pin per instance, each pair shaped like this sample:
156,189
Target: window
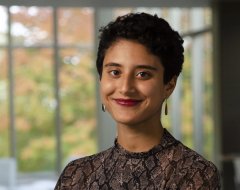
53,86
77,81
48,81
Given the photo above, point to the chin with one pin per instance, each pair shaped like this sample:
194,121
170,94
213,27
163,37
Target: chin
127,120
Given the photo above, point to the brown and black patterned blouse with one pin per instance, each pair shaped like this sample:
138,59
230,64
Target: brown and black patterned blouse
169,165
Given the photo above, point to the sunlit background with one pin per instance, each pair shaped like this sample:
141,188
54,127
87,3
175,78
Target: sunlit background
49,100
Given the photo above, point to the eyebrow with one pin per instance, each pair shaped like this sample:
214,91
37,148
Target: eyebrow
138,66
147,67
112,65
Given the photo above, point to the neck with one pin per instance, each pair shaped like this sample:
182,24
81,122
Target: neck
139,138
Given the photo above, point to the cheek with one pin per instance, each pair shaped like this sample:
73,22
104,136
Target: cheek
153,91
106,88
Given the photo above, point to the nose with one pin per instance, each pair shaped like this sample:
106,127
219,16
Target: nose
127,85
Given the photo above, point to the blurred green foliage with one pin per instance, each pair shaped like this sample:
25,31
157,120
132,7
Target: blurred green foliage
34,100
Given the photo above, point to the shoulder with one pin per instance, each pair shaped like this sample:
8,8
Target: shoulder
76,172
198,172
191,159
183,156
92,159
190,169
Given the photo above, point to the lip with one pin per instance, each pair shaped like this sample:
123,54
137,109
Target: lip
127,102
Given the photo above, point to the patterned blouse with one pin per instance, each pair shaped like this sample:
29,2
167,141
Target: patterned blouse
169,165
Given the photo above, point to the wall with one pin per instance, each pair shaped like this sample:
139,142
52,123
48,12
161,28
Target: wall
227,64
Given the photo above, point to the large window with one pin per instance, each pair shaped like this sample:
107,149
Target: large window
48,104
53,86
77,81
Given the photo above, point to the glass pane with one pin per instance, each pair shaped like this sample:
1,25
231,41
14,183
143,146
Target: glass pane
31,25
4,116
208,124
199,18
178,18
205,50
3,24
76,26
187,98
78,103
207,16
34,106
185,22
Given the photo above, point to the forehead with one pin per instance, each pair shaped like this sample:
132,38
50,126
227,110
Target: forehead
130,52
124,45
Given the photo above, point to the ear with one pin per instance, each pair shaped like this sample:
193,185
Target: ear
170,86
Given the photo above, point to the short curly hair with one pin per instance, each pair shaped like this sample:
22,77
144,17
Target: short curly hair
152,32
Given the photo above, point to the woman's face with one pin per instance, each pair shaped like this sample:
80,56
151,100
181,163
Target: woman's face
132,85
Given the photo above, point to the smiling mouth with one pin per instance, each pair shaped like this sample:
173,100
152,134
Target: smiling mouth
127,102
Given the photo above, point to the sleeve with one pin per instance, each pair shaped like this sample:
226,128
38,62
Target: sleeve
208,178
213,181
66,177
58,185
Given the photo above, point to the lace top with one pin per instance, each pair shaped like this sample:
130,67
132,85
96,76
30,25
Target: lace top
169,165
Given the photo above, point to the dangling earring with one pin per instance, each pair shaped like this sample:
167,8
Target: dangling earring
166,108
103,108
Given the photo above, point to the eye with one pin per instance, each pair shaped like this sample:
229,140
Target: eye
143,75
114,72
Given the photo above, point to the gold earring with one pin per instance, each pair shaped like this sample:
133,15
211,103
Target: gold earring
166,108
103,108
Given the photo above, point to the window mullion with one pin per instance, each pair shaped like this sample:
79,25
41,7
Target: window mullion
12,128
57,93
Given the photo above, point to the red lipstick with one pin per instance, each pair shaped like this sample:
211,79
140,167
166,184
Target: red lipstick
127,102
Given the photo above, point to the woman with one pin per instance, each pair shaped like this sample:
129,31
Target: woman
139,59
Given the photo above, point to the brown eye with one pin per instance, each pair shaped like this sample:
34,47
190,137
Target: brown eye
114,72
143,75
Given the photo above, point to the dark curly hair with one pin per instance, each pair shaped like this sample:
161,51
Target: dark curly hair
152,32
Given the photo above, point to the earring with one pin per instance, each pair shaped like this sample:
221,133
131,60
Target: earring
166,108
103,108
